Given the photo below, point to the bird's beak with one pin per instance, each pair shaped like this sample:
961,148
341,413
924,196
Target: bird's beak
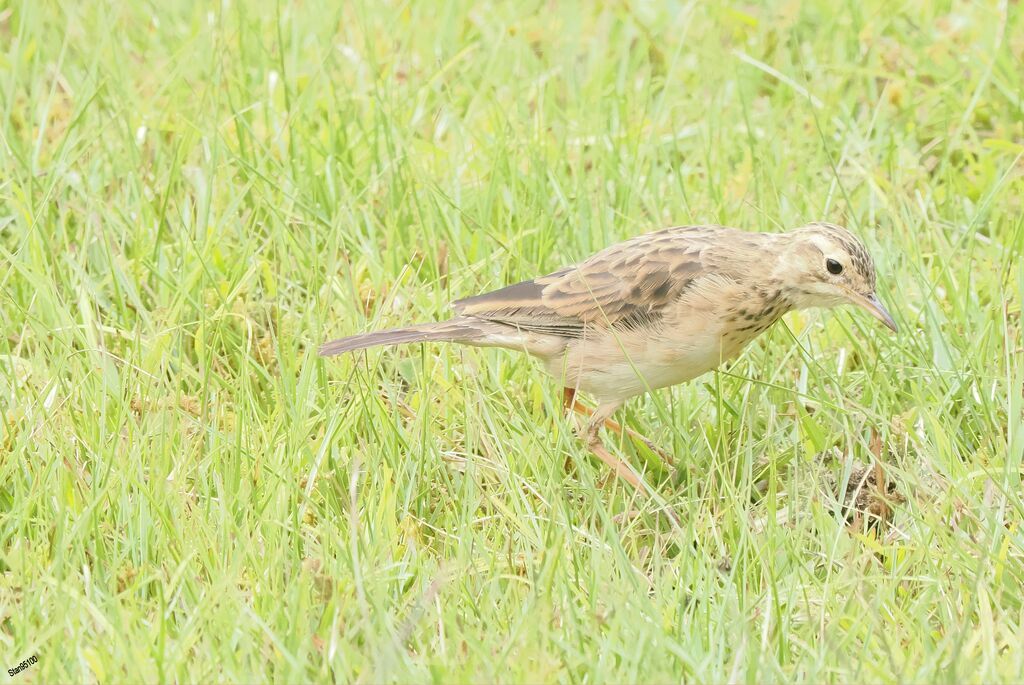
875,307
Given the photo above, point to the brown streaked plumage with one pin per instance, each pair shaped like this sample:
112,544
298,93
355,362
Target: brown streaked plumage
656,310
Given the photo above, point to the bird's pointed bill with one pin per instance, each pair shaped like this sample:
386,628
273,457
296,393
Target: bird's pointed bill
875,307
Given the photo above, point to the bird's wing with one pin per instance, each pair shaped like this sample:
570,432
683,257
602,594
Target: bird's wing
624,286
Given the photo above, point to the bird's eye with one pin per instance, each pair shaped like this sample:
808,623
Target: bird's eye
833,266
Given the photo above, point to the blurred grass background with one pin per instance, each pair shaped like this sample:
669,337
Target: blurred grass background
194,195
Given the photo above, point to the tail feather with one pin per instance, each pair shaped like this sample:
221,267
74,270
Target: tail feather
454,330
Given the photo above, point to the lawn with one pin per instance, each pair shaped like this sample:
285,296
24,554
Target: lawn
193,196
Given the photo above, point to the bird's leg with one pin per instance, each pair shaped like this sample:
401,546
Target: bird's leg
621,468
594,444
572,404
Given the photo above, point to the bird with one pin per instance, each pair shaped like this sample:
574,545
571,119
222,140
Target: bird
653,311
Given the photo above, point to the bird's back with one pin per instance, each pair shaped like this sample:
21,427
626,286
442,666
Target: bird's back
628,285
655,310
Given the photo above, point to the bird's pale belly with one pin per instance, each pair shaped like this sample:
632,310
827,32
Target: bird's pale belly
635,365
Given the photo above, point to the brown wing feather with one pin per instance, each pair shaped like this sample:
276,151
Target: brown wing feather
625,285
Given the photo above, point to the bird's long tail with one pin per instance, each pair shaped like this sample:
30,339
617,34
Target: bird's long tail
460,329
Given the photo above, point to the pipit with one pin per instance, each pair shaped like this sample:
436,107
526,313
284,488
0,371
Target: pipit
653,311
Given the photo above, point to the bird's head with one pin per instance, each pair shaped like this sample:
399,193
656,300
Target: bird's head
825,266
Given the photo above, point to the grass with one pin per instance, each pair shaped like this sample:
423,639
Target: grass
194,195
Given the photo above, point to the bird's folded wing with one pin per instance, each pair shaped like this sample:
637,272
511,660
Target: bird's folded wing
624,286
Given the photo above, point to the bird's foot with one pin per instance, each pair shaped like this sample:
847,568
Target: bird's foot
626,472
